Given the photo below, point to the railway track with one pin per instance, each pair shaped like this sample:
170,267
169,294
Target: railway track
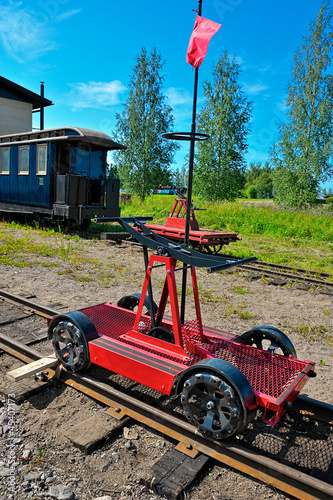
314,278
287,274
244,454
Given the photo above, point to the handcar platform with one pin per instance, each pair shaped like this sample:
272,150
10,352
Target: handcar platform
208,240
276,380
222,378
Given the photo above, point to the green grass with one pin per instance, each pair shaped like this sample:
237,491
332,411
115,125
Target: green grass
299,238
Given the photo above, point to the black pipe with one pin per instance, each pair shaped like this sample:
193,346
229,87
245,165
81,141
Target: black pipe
189,183
41,125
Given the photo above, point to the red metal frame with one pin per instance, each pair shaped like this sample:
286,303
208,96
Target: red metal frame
174,228
125,347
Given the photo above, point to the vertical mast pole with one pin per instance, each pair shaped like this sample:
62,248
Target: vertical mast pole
189,182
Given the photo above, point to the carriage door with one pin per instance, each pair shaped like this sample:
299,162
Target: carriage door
42,188
62,169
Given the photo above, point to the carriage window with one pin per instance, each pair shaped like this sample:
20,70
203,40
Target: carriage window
5,161
41,160
24,160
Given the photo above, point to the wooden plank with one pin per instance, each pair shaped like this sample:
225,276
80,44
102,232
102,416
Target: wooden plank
12,317
94,431
114,236
171,475
32,368
20,391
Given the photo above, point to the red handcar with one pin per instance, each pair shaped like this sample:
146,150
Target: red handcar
222,378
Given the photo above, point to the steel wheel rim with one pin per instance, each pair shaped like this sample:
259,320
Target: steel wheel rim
212,405
70,345
269,339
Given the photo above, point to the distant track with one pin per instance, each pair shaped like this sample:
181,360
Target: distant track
289,273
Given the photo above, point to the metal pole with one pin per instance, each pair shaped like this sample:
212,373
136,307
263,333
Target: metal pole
41,125
189,182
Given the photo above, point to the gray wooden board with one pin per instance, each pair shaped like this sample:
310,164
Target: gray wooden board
11,315
114,236
22,390
171,475
94,431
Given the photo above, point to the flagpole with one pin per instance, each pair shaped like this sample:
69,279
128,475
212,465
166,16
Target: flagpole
189,182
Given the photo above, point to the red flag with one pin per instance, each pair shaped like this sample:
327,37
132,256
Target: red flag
203,31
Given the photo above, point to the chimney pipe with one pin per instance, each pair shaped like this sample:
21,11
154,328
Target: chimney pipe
41,126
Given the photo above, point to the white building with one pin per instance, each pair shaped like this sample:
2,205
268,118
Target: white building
16,107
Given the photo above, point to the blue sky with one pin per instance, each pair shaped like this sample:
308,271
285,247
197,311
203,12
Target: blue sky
85,52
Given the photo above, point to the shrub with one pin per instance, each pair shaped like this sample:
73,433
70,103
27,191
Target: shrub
329,200
251,192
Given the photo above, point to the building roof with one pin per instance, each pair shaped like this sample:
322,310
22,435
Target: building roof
11,90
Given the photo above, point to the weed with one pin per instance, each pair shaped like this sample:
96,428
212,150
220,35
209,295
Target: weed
314,333
244,315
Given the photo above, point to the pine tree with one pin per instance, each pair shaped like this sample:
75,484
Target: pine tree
219,162
145,165
302,156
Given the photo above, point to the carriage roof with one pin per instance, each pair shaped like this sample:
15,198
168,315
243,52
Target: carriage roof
63,134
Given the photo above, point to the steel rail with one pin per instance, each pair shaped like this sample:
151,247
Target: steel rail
280,270
46,312
294,269
284,478
290,276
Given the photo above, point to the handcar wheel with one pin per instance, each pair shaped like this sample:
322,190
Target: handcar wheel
69,334
219,402
213,249
159,332
131,302
268,338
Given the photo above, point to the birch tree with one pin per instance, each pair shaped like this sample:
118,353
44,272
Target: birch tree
145,165
302,156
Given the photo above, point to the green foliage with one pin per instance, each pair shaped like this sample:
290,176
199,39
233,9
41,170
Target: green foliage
179,178
261,178
251,192
303,152
225,115
329,200
145,165
300,238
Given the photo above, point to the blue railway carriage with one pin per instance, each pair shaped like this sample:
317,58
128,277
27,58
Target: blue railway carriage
58,174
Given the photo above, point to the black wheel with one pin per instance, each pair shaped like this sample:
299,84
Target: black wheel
69,334
213,249
132,301
268,338
85,223
218,399
159,332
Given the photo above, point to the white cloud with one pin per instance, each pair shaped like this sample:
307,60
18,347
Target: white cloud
95,94
28,34
66,15
254,88
178,96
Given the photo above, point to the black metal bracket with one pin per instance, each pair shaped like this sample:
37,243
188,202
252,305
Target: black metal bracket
186,136
162,246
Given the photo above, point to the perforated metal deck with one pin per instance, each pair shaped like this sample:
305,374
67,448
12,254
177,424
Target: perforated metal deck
273,377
